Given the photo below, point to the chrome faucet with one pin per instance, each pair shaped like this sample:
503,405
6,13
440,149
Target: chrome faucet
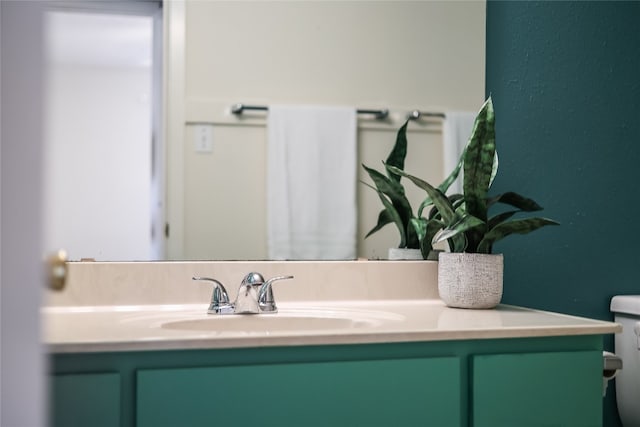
255,295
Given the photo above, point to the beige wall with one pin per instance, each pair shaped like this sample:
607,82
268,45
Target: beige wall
397,55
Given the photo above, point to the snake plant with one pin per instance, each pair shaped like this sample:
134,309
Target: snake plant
397,209
415,231
463,220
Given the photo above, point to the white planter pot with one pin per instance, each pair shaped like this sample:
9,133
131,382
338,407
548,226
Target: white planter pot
470,280
398,254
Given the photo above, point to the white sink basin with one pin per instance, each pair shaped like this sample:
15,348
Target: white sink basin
287,321
265,323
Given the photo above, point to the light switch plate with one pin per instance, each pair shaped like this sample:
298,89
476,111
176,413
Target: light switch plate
203,138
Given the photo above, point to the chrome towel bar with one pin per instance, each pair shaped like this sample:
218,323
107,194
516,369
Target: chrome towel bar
381,114
417,114
238,109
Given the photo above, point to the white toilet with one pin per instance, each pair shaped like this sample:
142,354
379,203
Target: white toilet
626,309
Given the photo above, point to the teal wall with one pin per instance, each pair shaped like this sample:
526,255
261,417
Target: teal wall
565,81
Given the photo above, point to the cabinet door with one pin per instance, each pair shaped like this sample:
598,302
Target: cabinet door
85,400
406,392
537,389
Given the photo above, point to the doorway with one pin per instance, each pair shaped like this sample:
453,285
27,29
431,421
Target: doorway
103,151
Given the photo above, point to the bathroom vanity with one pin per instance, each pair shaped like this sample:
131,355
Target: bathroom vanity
360,360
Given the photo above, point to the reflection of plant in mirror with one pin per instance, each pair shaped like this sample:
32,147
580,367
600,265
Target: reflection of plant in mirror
463,220
415,231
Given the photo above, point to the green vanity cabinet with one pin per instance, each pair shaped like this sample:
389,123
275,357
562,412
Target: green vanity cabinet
546,381
339,394
539,389
85,400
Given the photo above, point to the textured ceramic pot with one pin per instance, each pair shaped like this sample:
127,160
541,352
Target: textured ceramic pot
470,280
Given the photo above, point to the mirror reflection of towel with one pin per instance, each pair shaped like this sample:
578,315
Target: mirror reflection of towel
456,131
311,182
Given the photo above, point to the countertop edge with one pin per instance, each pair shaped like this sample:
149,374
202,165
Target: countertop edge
343,339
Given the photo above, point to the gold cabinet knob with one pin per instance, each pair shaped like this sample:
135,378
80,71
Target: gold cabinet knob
57,270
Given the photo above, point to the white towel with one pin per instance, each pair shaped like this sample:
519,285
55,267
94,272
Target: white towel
456,131
311,182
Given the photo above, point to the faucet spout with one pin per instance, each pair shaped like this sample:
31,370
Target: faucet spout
247,299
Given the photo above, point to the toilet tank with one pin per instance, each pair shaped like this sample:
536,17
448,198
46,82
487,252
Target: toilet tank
626,309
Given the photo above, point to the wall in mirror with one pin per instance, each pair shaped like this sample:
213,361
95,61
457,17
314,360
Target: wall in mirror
397,55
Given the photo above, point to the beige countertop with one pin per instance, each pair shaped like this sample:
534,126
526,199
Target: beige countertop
112,306
187,326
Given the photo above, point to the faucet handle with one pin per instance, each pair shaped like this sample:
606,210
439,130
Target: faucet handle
265,296
219,298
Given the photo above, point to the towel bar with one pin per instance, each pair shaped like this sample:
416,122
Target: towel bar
417,114
238,109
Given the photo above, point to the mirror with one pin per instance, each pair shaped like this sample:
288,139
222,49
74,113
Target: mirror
400,55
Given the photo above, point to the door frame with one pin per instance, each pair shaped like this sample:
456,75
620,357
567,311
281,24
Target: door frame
22,363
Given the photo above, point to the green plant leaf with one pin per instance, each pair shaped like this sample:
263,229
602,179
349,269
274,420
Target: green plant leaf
399,152
391,193
420,227
458,243
434,214
500,218
444,186
395,216
494,168
384,218
515,200
463,224
395,191
413,240
439,199
392,215
480,165
433,226
479,159
518,226
455,199
384,183
456,171
425,204
425,229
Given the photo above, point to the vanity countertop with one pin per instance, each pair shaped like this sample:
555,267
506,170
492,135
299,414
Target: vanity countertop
70,329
